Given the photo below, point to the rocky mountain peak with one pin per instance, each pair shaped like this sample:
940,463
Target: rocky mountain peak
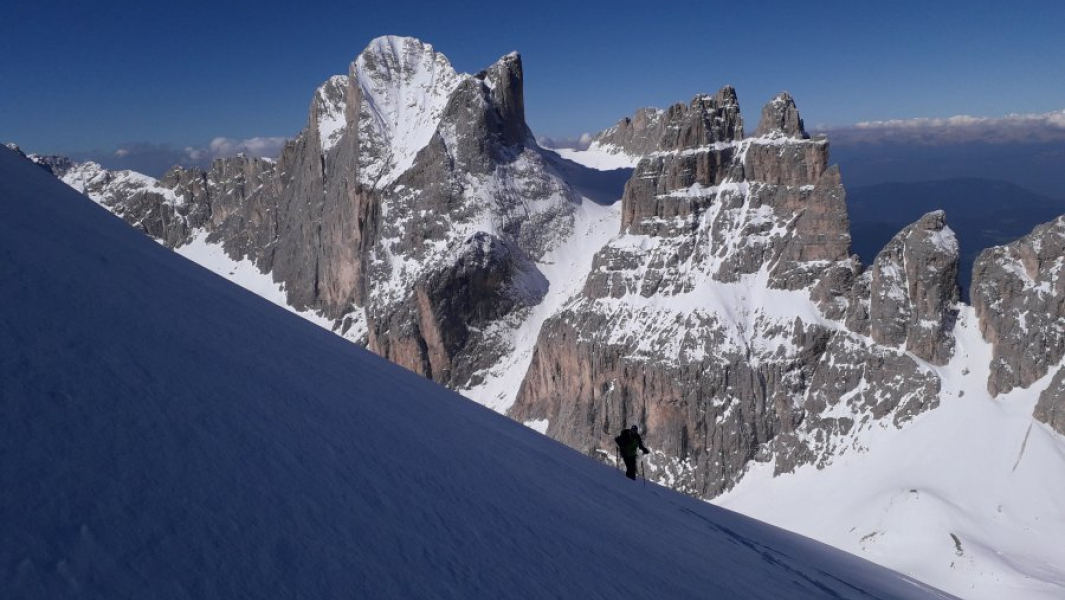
705,121
506,82
780,117
401,87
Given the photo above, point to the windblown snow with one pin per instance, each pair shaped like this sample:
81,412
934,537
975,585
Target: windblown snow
170,435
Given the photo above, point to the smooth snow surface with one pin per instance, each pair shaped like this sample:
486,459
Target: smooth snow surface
968,497
167,434
602,158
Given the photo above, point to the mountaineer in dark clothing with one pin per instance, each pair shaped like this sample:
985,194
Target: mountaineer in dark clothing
628,443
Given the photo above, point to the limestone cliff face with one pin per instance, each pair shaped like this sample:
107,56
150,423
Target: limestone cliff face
459,232
1019,296
705,120
638,135
1051,406
913,290
414,201
715,319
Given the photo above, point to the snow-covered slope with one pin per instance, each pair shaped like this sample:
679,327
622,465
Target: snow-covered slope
599,157
967,497
565,268
167,434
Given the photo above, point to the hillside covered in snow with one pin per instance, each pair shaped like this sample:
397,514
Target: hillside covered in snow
167,434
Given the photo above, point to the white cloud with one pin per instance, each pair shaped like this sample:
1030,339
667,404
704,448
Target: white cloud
222,147
1013,128
579,143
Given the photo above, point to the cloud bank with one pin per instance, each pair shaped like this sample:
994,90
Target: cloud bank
223,147
1010,129
578,143
156,159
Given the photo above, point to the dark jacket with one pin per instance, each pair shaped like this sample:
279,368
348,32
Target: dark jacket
629,443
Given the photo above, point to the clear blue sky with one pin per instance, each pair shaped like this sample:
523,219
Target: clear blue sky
97,75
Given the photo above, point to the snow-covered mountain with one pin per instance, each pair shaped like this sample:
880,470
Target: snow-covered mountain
170,435
717,304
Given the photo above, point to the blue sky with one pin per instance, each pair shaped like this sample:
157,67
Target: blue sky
79,76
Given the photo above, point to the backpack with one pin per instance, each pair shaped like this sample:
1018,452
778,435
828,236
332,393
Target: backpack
627,443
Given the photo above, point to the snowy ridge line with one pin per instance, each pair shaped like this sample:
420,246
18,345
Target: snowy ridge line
199,249
83,175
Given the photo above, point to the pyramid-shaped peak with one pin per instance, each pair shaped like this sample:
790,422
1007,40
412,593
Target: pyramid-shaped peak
780,118
402,86
397,57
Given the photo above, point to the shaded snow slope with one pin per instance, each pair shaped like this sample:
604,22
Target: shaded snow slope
167,434
967,497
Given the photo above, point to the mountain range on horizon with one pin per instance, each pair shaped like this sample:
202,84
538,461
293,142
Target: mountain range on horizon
771,331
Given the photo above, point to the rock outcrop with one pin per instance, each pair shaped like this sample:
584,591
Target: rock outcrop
1019,296
681,126
713,319
913,290
1051,406
638,135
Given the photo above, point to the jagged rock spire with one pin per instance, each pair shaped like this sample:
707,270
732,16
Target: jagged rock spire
780,117
505,80
914,290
